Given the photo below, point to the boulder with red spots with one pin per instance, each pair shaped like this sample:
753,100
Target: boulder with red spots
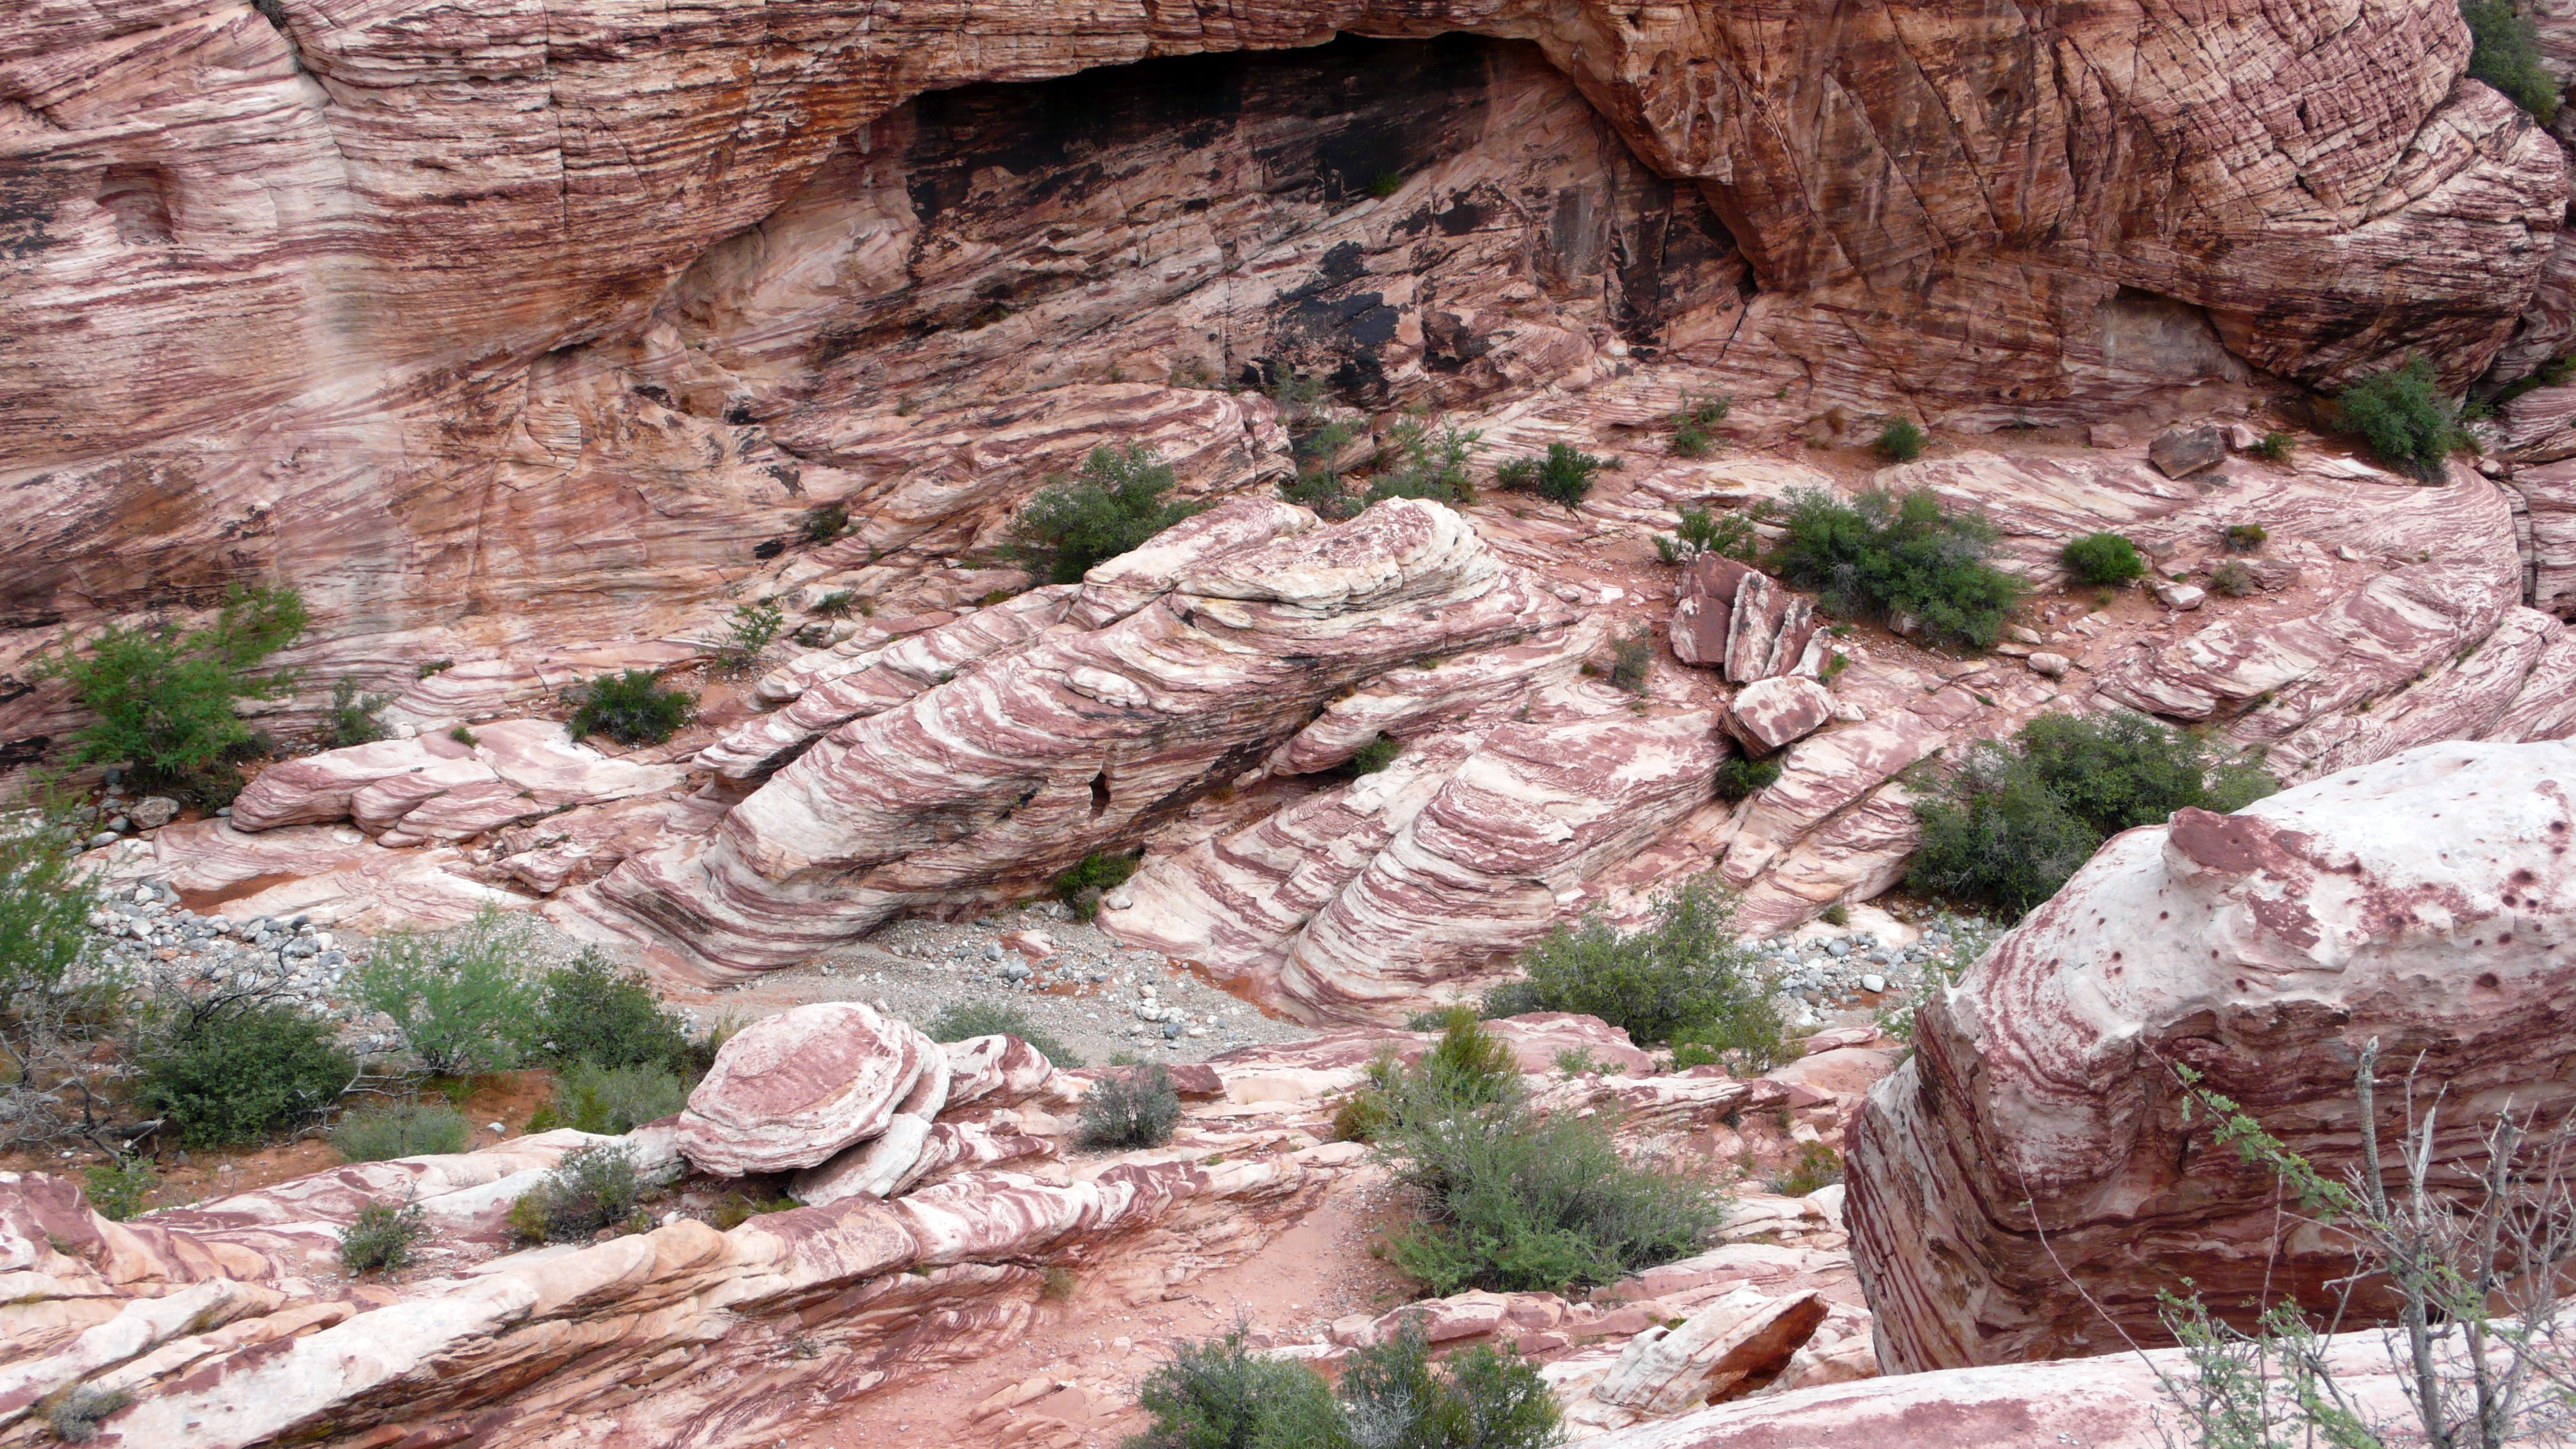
2422,902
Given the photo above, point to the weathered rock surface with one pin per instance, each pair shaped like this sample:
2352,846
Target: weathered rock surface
653,339
1771,713
405,792
1008,774
793,1089
2416,901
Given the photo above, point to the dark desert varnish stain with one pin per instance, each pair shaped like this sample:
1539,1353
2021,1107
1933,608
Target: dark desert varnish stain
205,902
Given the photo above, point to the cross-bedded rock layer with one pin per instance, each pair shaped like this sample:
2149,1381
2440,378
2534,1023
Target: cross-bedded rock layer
2421,902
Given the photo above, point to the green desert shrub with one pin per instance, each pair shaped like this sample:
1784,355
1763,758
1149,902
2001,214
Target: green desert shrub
46,898
2233,580
753,627
589,1189
164,696
76,1416
1632,660
2012,822
1692,435
825,523
229,1070
1220,1394
589,1011
1900,441
1421,464
350,718
611,1101
1513,1201
2504,51
1082,884
1702,532
2245,537
1683,976
458,1000
1898,556
2274,447
996,1018
1563,477
2404,416
116,1190
381,1238
632,708
1130,1107
404,1129
1817,1167
1376,755
1112,505
2103,559
1740,777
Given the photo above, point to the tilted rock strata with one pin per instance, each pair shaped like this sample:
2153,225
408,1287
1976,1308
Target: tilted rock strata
2415,901
1011,773
343,296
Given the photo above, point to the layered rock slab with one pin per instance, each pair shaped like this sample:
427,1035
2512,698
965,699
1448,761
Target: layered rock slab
2417,901
1078,743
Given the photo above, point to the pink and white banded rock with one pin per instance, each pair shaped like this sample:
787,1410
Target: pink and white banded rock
1746,1334
2419,900
1084,740
995,1071
409,791
1771,713
793,1089
1495,858
2460,698
1704,609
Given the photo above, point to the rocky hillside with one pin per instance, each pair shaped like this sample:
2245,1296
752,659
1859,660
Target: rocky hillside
1231,533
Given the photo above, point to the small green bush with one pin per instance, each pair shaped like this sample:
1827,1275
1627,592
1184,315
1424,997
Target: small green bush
405,1129
1081,885
226,1071
117,1189
1419,465
46,898
1901,441
380,1239
1838,914
459,1002
1693,424
2245,537
1683,976
1632,660
75,1416
589,1189
1817,1167
1376,755
1468,1067
2013,822
1131,1107
2103,559
2504,52
2274,448
631,708
995,1018
2405,418
1889,556
825,523
1219,1394
1730,535
611,1101
164,698
1386,184
2233,580
463,736
1114,504
754,626
589,1011
1518,1202
1740,777
836,604
351,717
1562,478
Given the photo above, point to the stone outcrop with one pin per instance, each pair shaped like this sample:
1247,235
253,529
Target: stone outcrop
2416,901
1004,776
793,1089
323,293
